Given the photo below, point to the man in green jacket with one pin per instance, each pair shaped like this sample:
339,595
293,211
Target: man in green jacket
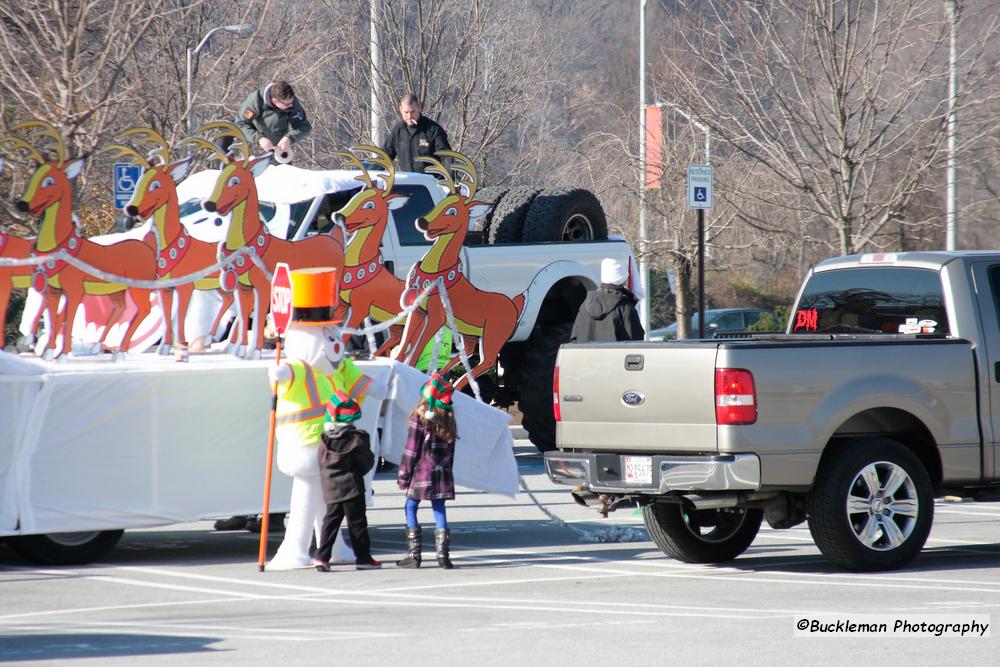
273,118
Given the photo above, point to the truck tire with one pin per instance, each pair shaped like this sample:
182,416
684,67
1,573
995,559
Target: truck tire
535,383
489,195
872,505
565,214
507,224
701,536
65,548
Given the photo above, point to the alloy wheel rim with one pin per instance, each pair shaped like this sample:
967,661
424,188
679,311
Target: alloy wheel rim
882,506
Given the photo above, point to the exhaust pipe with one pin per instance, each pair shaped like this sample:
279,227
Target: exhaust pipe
583,496
603,502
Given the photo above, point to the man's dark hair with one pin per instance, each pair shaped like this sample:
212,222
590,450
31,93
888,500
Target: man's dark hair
282,91
410,98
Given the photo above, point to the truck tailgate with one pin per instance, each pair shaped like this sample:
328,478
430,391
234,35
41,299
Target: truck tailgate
661,394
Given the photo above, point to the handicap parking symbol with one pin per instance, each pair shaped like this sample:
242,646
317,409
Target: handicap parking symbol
126,178
700,194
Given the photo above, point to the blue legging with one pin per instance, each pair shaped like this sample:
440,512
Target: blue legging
437,505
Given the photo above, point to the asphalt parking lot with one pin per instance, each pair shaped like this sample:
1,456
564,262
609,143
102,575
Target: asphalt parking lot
532,587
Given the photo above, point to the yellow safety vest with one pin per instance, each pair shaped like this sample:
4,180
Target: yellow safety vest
349,379
301,405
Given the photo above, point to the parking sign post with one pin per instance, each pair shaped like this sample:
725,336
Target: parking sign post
699,182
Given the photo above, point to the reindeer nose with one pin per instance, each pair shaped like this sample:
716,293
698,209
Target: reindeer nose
132,210
21,205
421,223
208,206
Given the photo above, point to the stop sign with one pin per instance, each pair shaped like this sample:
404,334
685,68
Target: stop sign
281,297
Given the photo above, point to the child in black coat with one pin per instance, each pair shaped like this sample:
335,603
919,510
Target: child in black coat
344,458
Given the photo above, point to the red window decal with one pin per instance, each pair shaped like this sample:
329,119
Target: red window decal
806,319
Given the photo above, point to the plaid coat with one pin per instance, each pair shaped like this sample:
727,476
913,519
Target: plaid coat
425,470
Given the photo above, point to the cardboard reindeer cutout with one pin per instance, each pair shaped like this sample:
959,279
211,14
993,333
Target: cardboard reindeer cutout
13,247
486,318
178,253
368,287
50,198
236,192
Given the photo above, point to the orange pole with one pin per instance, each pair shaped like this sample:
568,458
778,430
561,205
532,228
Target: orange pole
265,515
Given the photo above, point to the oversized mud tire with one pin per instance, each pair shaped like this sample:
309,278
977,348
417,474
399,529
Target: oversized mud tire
872,505
535,383
65,548
565,214
507,224
489,195
701,536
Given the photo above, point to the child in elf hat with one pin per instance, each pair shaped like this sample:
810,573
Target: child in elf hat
425,472
344,457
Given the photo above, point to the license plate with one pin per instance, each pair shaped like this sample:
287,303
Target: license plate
638,469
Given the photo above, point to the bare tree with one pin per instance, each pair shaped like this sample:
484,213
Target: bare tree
477,65
65,61
842,102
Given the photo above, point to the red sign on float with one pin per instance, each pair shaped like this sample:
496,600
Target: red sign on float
281,297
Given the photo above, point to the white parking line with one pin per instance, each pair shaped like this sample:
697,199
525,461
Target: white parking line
967,512
219,632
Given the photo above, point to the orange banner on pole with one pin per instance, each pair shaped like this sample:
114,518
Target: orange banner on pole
654,147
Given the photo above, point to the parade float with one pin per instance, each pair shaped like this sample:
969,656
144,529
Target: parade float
97,437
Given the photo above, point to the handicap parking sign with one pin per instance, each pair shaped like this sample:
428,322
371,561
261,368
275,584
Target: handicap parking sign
700,186
126,178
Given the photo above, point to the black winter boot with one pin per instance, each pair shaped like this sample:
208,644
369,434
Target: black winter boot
412,560
442,538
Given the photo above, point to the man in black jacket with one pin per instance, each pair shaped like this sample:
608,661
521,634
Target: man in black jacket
414,136
608,313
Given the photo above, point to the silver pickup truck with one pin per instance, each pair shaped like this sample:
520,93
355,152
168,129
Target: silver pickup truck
883,393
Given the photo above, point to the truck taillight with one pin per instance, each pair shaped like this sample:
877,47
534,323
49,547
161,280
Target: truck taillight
735,397
556,412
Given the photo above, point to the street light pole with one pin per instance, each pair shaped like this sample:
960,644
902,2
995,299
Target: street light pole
243,30
643,232
951,215
701,126
376,61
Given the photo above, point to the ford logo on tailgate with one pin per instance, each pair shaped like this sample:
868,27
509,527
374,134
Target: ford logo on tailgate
633,398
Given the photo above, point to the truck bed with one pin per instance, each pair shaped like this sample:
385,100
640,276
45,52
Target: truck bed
807,390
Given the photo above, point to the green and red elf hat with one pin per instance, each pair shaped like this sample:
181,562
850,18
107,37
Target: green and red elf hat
437,392
342,408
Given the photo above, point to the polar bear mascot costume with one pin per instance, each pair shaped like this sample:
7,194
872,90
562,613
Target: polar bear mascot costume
315,366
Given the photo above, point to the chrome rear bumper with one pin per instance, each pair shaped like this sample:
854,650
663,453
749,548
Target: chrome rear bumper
603,472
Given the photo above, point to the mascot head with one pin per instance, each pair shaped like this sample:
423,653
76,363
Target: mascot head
313,335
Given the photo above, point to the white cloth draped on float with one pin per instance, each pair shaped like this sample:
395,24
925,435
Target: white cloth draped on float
483,451
95,445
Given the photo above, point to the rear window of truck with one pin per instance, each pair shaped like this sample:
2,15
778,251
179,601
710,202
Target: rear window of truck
889,300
